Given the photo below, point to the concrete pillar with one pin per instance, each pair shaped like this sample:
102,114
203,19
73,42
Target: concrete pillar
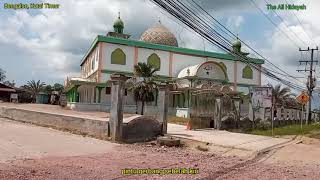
294,115
75,93
281,114
298,111
163,106
262,113
99,94
236,101
217,119
292,112
251,112
116,110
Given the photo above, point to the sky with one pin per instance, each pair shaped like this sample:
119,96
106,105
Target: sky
48,44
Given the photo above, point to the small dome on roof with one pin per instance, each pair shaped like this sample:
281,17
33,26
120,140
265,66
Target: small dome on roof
236,45
159,34
118,25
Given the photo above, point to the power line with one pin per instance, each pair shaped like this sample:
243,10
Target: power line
177,22
302,25
218,44
311,80
267,61
188,17
275,25
230,34
215,20
282,20
197,30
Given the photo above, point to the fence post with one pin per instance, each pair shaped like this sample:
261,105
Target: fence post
116,111
217,119
163,106
236,101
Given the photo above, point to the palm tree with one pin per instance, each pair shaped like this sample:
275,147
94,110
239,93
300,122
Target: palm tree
279,94
142,84
34,88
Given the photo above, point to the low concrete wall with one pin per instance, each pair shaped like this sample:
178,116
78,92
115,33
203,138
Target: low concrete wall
148,110
91,127
99,107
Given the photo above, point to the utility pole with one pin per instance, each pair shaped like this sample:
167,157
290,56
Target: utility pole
311,79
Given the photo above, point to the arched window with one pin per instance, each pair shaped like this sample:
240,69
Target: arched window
247,73
118,57
224,67
154,61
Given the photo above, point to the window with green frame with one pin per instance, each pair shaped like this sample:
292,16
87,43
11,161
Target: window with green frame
247,73
118,57
154,61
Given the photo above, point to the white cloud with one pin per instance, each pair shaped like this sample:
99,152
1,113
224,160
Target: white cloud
234,23
51,43
54,41
280,50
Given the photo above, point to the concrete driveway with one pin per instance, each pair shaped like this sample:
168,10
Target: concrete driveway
20,141
226,139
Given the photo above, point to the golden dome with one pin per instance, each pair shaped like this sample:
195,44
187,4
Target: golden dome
159,34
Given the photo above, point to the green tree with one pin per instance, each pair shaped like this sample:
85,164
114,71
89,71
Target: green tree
2,75
142,85
48,89
34,88
58,87
279,94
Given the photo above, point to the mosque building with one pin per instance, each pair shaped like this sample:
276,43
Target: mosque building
117,53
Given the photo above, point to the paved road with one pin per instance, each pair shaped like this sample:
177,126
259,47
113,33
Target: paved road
18,141
226,139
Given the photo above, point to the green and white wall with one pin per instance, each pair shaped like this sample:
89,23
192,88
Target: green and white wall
108,55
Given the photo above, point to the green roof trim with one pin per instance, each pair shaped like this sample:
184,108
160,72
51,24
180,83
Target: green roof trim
162,77
79,83
142,44
93,45
130,74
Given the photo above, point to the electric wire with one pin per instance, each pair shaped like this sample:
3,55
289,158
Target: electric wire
254,67
285,23
302,25
267,61
169,7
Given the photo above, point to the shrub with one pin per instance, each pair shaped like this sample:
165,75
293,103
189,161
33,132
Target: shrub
263,124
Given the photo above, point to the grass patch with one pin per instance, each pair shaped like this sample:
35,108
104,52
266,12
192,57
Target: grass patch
295,129
178,120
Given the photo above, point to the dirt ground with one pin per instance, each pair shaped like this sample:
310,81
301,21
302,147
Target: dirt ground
95,159
210,165
295,161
